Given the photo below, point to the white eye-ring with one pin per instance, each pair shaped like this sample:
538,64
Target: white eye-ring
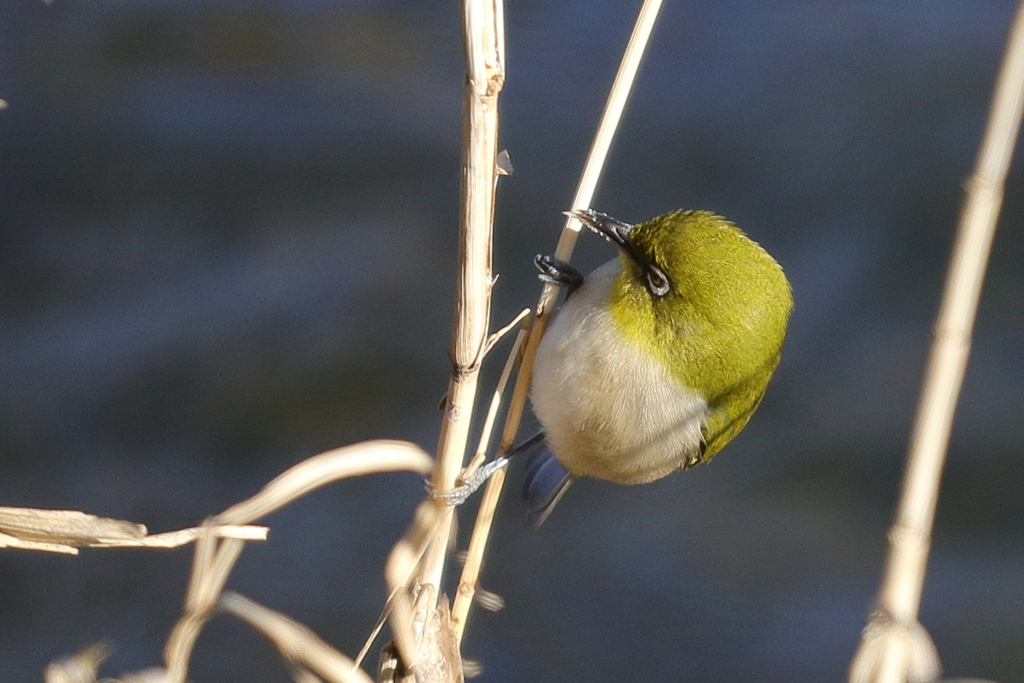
656,281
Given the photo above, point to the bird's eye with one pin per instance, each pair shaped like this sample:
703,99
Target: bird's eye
656,281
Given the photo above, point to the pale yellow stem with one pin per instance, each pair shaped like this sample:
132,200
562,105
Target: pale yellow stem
887,653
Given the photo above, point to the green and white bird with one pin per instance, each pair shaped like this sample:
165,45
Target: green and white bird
658,358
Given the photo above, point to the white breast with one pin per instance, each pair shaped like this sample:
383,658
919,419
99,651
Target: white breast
609,409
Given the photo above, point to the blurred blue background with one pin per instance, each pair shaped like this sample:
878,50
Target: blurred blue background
227,241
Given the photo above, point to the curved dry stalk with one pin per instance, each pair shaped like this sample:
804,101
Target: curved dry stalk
890,651
610,118
381,455
210,569
215,555
297,643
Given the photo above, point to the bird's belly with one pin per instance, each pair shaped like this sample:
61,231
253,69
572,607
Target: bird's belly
610,410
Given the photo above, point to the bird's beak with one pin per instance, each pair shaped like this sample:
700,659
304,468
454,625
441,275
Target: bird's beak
615,231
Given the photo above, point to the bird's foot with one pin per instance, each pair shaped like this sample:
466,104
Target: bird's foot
558,272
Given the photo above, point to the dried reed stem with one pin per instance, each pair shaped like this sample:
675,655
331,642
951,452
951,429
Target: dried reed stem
910,535
484,79
483,29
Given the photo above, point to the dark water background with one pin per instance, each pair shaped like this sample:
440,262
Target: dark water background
227,235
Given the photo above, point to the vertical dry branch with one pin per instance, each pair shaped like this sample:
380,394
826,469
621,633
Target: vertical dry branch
482,35
887,649
415,568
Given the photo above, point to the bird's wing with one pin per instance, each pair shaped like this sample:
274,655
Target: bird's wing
725,421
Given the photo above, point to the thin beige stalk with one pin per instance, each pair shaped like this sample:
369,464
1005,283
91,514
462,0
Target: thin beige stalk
886,653
617,99
488,505
499,391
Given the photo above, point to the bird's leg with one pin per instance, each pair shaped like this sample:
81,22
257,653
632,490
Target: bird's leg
468,485
558,272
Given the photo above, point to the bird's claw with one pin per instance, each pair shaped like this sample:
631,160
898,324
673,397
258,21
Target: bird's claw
558,272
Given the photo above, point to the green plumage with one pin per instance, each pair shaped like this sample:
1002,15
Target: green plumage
720,327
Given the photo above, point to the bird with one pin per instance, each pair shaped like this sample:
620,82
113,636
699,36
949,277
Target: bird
658,358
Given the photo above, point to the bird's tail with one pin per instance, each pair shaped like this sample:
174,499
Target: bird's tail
545,483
